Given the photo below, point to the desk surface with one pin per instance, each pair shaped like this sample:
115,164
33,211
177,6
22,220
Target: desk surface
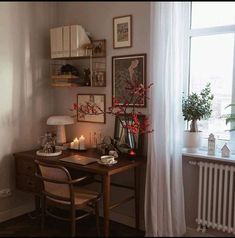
124,163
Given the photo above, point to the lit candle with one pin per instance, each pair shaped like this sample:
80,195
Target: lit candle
132,153
72,145
76,143
82,142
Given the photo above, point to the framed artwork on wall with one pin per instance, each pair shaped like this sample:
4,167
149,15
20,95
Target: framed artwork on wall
124,68
122,31
93,99
99,48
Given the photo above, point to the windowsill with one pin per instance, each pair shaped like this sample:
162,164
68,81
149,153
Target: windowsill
203,154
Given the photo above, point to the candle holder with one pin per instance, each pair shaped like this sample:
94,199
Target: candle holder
78,144
132,155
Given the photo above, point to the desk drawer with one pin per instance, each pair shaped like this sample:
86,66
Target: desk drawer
27,183
25,166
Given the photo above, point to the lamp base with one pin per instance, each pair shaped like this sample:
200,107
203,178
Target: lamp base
60,135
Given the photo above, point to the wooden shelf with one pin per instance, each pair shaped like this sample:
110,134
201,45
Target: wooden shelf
65,85
78,57
64,77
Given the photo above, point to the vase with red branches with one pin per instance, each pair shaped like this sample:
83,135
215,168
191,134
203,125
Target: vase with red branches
126,110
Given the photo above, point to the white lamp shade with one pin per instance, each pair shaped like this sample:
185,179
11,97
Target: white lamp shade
60,120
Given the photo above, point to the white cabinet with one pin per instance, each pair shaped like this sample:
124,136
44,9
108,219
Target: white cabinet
78,41
68,41
56,42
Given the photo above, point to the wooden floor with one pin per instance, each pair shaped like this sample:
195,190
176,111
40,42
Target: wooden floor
27,226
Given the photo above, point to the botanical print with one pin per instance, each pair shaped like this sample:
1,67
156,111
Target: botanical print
98,100
122,32
127,69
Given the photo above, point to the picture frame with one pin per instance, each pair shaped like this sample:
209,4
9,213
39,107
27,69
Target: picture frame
99,48
122,31
98,78
137,139
127,67
98,99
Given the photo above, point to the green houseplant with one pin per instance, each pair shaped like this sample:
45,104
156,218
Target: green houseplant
196,107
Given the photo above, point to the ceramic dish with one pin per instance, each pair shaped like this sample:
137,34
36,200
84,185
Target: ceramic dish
107,164
41,153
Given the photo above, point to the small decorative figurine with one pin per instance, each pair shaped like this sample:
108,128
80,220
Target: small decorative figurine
48,143
87,79
211,144
225,151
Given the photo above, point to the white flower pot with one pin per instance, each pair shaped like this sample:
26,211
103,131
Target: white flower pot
192,140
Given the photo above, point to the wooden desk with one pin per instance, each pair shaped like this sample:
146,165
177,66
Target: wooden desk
26,181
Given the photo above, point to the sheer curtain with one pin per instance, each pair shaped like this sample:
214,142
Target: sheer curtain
164,198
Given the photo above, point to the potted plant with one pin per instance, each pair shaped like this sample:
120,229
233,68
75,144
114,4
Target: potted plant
196,107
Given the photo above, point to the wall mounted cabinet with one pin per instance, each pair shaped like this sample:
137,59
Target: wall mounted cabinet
69,41
75,59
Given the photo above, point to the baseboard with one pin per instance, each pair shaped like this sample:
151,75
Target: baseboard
15,212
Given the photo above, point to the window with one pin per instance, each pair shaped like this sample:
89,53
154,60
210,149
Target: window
212,38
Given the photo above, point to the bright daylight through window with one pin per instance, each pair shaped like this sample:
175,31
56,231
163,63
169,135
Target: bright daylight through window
212,36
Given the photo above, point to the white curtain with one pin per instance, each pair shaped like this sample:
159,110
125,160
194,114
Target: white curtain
164,198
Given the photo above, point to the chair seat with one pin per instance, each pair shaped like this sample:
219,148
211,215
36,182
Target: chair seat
81,196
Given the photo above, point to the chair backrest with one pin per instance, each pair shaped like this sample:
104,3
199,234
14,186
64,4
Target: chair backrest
55,180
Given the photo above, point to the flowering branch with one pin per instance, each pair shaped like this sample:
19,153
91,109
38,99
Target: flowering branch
119,108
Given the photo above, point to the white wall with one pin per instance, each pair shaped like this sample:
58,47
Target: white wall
25,93
26,100
97,18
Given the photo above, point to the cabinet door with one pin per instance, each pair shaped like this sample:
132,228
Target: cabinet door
78,39
74,40
66,41
56,35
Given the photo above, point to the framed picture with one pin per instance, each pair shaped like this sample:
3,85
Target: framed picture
99,48
122,31
97,99
98,78
124,68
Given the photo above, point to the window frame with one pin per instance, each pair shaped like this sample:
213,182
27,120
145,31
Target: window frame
208,31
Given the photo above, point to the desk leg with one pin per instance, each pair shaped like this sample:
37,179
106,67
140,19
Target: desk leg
137,197
106,203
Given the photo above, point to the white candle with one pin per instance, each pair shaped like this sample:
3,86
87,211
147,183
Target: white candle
72,145
76,143
82,142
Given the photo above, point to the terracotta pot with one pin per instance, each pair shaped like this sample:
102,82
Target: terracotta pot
192,140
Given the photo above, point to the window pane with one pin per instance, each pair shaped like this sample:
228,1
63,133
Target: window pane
209,14
212,61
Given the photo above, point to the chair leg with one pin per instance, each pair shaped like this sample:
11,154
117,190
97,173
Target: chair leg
97,218
43,203
73,222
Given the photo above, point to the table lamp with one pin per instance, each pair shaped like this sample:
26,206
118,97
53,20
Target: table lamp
60,122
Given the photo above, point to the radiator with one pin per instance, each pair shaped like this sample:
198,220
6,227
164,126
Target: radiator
216,197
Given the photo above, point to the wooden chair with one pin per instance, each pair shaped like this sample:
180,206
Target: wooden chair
58,191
